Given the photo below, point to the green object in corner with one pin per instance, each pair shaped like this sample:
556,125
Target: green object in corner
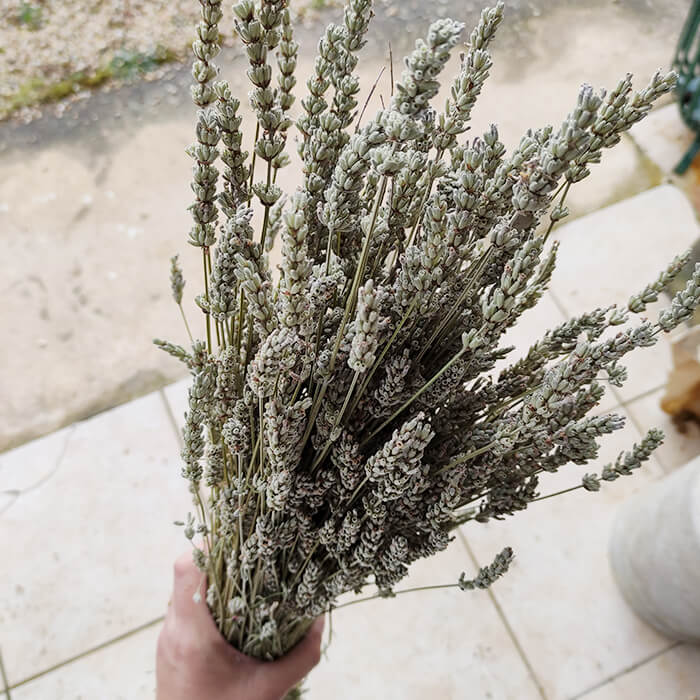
687,64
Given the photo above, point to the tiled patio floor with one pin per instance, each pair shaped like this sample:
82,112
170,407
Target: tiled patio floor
86,529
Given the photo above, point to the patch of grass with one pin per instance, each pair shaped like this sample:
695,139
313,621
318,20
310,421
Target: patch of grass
124,65
129,64
29,15
324,4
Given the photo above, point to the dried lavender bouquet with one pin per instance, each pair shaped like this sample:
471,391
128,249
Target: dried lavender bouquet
344,418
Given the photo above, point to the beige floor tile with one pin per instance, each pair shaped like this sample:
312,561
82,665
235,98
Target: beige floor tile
679,448
445,644
663,137
87,556
621,174
28,466
607,256
124,670
613,253
6,500
647,368
560,597
673,675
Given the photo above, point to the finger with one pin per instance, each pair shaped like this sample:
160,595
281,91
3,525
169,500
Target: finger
188,581
295,666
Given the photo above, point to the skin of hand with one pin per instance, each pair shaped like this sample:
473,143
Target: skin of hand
194,662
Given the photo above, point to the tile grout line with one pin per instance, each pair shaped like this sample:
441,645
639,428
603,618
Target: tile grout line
5,682
506,624
625,671
88,652
559,305
644,394
171,417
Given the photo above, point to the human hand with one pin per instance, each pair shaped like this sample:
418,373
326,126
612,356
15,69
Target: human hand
194,662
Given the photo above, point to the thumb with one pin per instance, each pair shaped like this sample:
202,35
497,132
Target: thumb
189,582
295,666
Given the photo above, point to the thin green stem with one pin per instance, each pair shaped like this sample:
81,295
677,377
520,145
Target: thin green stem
261,414
369,97
266,218
315,408
187,325
239,329
339,417
556,493
451,314
471,455
405,590
209,545
407,403
357,491
378,361
252,164
206,296
566,187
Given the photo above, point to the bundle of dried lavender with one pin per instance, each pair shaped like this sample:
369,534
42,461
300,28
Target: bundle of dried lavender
344,419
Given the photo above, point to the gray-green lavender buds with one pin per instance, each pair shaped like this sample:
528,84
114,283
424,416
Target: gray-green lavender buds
626,462
177,281
177,351
256,289
683,305
205,175
418,83
193,449
235,173
473,74
223,287
650,293
398,466
488,575
205,48
364,342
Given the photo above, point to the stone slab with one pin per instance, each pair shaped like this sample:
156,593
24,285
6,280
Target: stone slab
124,670
560,598
87,555
675,675
445,644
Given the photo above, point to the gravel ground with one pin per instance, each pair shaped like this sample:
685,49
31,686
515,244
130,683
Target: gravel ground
59,51
56,49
